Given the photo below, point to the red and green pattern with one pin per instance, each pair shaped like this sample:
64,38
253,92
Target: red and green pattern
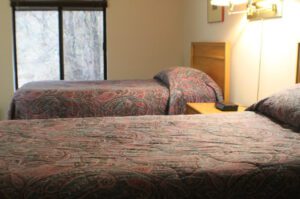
160,96
222,156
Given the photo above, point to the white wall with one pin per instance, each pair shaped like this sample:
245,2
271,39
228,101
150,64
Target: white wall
278,39
6,64
143,37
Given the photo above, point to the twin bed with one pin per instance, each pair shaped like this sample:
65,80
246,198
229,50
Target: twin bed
235,155
167,93
253,154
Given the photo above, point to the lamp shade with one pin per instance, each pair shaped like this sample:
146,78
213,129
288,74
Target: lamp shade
227,2
220,2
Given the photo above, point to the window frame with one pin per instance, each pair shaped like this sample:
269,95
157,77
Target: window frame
60,10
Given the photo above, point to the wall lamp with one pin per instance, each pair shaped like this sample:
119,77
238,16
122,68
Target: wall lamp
255,9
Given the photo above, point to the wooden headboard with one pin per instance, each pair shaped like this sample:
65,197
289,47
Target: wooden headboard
214,59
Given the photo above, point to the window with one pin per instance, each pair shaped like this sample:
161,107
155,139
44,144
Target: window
37,46
59,40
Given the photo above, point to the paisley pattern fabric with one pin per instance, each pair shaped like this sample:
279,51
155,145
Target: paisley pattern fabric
188,85
63,99
70,99
283,106
219,156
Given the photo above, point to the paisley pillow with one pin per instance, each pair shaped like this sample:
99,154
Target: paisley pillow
283,107
188,85
189,79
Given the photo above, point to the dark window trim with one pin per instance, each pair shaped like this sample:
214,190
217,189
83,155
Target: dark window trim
61,47
15,48
60,3
104,44
44,8
61,44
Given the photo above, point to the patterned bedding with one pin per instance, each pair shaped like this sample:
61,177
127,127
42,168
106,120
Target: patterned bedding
67,99
63,99
233,155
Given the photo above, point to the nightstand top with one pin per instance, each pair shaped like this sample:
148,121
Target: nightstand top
209,108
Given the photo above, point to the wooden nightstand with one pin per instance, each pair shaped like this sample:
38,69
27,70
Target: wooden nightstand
206,108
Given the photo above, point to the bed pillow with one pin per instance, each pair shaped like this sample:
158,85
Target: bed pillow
283,107
188,85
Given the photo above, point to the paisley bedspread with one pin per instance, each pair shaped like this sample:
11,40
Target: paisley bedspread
67,99
168,93
221,156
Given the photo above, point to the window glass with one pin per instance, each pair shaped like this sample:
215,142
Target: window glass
83,45
37,43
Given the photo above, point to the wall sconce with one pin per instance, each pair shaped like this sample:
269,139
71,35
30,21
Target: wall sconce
229,3
264,9
255,9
